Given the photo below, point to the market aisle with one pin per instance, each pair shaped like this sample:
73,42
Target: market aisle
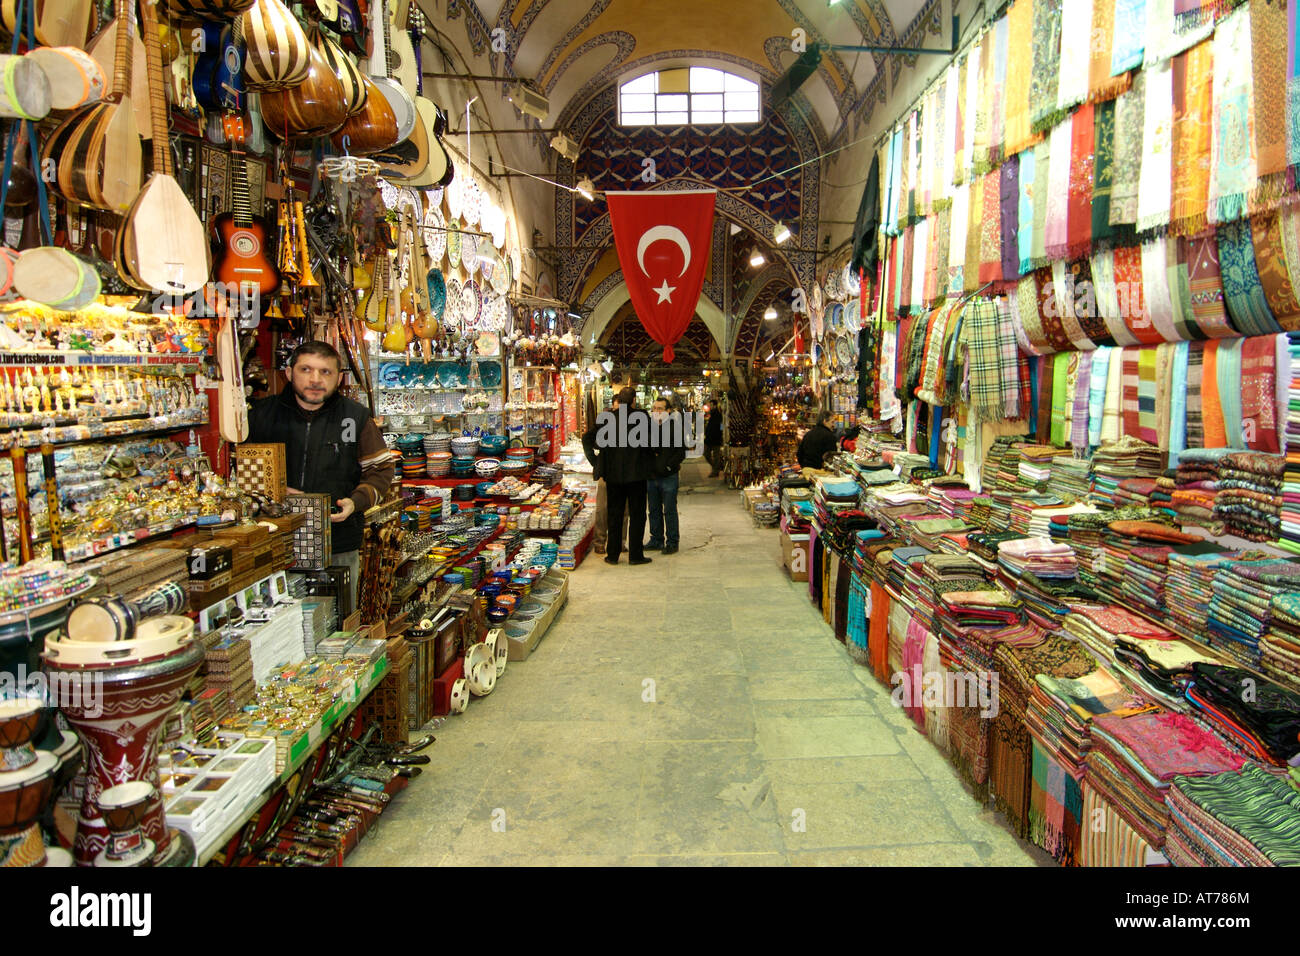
692,711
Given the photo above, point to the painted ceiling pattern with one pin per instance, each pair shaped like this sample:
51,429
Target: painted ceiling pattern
627,342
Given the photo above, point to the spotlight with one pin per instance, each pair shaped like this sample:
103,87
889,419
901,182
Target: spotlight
586,189
756,259
565,147
770,314
781,233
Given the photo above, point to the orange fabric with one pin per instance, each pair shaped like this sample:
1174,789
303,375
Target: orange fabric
878,632
1211,410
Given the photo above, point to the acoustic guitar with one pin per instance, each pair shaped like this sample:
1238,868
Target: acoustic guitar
218,72
239,236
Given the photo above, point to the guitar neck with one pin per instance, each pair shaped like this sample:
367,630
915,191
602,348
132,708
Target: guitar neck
241,203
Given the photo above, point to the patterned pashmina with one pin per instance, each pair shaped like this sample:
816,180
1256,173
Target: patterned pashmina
990,265
1259,393
1047,57
1027,308
1072,83
981,323
1207,287
938,322
957,239
1293,84
1025,218
1099,378
1178,403
1084,302
905,277
1038,249
983,53
1129,35
1058,190
1164,382
1233,162
1147,395
952,133
1157,128
925,177
1195,374
1008,359
974,236
1155,287
1108,307
1082,400
1102,86
1009,198
1020,63
1079,214
1049,311
1193,84
1018,316
1130,402
1159,32
1103,157
1130,292
1227,367
1180,289
1127,168
1271,258
943,235
892,202
1268,42
1247,304
1063,295
1211,407
938,145
920,238
1060,390
998,101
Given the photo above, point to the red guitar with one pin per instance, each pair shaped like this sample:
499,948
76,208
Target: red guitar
240,238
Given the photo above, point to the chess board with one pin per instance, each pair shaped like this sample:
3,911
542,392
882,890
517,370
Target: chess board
259,469
311,541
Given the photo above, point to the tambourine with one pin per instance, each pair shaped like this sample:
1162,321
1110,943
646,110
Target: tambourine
75,78
459,695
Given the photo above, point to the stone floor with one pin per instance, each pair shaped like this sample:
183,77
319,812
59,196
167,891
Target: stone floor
693,711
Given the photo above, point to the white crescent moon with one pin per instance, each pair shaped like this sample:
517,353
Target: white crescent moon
672,234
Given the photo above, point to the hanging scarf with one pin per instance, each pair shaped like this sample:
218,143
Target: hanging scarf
1191,15
970,106
1038,249
1025,217
1020,311
983,55
1112,416
1008,359
1058,190
1079,420
1193,84
1155,289
921,240
1233,161
1103,152
974,236
1103,278
1289,216
1102,86
952,135
1157,148
1009,201
1268,42
957,239
936,246
998,100
895,181
1270,257
1060,382
1043,113
932,361
943,234
1146,391
1020,64
1130,405
1293,85
1079,211
1207,288
990,263
1027,308
925,162
890,408
1247,303
1159,32
1259,410
907,209
1164,382
1131,291
1195,417
1211,407
1072,78
1180,290
938,158
980,326
1049,311
900,250
1084,295
1129,35
1178,404
1099,374
1128,153
1228,371
905,277
1063,295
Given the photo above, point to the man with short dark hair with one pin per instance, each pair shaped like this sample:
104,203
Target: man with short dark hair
818,442
624,461
331,445
661,489
713,438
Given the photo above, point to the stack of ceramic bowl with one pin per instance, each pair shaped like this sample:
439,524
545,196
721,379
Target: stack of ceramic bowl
462,466
520,454
439,463
515,467
493,444
464,446
437,442
487,467
413,460
464,493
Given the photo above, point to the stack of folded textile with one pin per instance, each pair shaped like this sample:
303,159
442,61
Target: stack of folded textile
926,530
1251,818
991,607
1028,506
1048,601
1043,556
899,560
954,502
1035,465
1290,531
1137,560
1130,765
1070,477
907,464
1280,646
1118,461
1249,501
1190,585
1259,716
984,546
1161,669
1002,466
1196,485
1134,491
1241,608
1098,626
890,504
1000,505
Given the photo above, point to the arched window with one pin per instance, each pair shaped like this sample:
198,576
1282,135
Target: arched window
688,96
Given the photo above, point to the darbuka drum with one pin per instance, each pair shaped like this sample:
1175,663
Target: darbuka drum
124,807
142,681
26,784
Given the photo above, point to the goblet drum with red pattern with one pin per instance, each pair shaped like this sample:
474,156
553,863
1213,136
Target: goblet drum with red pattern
27,779
140,681
124,807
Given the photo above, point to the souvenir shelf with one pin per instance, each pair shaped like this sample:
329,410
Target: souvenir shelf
534,409
411,396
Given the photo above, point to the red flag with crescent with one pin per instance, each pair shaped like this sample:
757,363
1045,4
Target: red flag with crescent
663,241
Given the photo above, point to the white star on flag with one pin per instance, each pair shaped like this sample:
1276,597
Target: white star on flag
665,292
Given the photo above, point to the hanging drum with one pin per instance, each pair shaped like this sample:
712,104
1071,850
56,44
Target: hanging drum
208,9
277,52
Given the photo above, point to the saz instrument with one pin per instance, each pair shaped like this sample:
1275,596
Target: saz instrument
58,22
103,50
425,324
315,107
162,244
276,48
374,304
351,80
96,152
239,235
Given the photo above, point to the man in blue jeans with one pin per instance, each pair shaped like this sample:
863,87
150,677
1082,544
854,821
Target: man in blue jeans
661,489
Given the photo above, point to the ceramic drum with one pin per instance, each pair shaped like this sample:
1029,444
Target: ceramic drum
26,784
142,681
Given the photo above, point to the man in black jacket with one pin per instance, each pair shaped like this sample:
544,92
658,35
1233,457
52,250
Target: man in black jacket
331,445
661,489
713,438
818,442
618,447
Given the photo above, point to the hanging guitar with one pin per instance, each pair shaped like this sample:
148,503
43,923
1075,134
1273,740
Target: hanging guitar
218,72
232,406
240,238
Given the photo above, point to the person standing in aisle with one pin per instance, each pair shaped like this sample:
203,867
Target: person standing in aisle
661,490
331,446
713,438
617,445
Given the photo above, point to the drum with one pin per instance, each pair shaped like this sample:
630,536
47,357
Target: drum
22,641
142,681
26,784
124,807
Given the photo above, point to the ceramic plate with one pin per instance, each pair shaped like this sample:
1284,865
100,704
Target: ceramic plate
455,195
501,277
835,316
469,253
489,373
816,297
844,352
435,238
498,229
437,293
473,202
387,193
852,285
390,374
454,240
454,305
833,286
434,196
852,320
471,304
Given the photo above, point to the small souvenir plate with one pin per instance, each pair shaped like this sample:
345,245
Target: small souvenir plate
455,194
471,304
435,239
473,202
469,253
453,243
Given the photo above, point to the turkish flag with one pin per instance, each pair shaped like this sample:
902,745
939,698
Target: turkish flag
663,241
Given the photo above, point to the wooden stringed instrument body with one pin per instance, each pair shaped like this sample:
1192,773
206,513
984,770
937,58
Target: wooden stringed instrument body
314,107
103,50
240,237
374,305
232,404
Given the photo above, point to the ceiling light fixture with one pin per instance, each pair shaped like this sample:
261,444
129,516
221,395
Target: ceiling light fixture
586,189
565,147
781,233
770,314
757,259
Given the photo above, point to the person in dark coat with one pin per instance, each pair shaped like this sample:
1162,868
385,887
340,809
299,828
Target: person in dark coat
818,442
713,438
618,447
662,486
